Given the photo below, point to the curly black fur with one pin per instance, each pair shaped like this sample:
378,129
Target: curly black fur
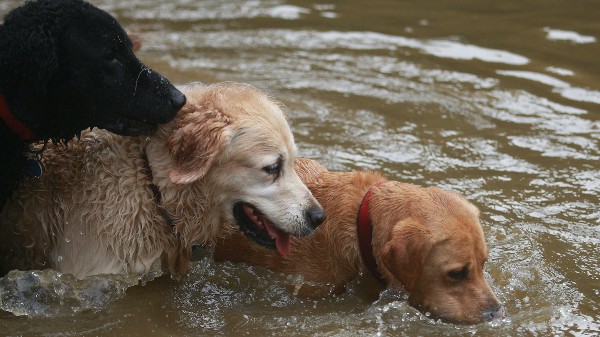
66,65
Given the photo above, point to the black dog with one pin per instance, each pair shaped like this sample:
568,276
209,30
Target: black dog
66,65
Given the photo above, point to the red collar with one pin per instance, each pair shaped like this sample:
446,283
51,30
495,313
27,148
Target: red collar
364,231
13,123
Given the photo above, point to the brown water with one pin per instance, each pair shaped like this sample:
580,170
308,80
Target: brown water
499,100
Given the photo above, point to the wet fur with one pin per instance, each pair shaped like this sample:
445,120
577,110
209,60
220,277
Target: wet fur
66,65
418,235
95,210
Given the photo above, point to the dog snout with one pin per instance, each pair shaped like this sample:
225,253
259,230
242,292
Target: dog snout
160,97
177,98
315,215
496,312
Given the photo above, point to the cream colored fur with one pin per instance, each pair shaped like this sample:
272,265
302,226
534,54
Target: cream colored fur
94,211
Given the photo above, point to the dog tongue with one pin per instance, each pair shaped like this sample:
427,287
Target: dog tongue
282,240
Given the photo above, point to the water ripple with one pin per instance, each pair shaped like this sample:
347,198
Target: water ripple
567,35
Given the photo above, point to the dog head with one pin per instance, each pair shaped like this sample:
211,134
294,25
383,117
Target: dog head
238,141
437,251
67,65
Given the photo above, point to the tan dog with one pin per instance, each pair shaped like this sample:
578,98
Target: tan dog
111,204
425,239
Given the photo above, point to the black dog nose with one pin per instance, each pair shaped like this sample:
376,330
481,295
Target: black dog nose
177,98
315,216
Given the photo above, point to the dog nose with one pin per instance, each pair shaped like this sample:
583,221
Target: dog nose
494,313
177,98
315,215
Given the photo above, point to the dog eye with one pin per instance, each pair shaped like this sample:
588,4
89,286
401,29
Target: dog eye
272,169
459,275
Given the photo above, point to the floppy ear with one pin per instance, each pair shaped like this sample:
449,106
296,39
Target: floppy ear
195,144
405,253
308,169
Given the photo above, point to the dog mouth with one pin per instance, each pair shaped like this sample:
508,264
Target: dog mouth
256,226
130,126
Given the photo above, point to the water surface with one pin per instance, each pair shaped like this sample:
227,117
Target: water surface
499,101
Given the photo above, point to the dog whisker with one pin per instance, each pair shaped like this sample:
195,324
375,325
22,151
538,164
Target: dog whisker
144,68
118,223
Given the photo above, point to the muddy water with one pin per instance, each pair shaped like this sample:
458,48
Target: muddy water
497,100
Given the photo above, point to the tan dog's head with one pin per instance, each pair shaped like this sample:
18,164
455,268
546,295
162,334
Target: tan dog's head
237,140
437,251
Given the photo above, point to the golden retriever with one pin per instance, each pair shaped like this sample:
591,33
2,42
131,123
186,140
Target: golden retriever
110,204
427,240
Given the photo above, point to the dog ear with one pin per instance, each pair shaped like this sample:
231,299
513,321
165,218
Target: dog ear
136,41
308,169
405,253
194,145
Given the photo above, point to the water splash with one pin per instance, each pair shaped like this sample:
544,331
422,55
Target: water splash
48,293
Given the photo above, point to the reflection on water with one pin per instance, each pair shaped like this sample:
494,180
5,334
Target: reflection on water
496,100
558,34
562,87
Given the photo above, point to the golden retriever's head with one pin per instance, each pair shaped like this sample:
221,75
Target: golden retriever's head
438,253
237,141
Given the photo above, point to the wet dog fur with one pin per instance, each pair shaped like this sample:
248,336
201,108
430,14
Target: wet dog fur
426,240
66,65
111,204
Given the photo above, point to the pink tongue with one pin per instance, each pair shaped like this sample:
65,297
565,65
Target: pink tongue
282,240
